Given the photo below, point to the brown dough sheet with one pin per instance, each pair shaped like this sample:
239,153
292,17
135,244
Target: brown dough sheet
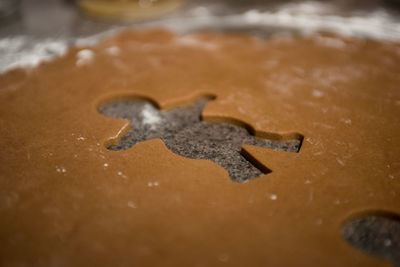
66,199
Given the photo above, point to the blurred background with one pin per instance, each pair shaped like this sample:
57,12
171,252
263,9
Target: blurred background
35,30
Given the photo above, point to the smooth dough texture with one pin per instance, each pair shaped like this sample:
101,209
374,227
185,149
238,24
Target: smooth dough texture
65,199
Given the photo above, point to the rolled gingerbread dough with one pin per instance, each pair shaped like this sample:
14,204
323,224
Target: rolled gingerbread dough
67,200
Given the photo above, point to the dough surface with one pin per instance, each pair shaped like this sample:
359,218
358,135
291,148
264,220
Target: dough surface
66,199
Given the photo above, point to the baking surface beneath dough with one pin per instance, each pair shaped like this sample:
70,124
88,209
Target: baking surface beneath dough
65,192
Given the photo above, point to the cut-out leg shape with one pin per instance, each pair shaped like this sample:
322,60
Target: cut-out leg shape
376,235
185,134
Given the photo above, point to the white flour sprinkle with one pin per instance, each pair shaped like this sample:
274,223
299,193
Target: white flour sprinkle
310,17
340,161
151,184
306,17
61,169
309,140
84,57
346,121
317,94
122,174
195,42
20,52
273,197
330,42
150,115
131,204
113,50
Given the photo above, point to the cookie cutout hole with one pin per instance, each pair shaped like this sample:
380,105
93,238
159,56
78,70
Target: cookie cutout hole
185,134
376,233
